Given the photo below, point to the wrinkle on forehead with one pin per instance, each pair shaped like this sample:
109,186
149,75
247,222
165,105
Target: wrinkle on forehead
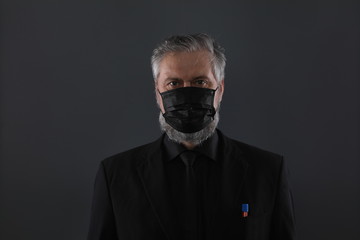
185,62
181,55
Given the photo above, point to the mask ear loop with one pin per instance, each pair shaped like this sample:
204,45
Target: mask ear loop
158,103
215,110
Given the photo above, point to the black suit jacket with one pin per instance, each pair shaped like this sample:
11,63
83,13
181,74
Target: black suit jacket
130,196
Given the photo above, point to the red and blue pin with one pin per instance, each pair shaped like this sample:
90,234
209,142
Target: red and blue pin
245,209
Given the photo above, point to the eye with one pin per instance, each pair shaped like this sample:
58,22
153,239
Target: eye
173,83
200,82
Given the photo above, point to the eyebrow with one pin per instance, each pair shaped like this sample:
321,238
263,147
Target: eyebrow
200,77
172,79
179,79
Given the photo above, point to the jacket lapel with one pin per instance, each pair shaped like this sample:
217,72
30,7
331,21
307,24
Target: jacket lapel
232,177
233,173
155,185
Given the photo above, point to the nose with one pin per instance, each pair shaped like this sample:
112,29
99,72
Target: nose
187,84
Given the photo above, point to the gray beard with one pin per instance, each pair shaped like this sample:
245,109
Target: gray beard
195,138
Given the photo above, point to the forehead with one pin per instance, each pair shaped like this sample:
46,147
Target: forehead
185,63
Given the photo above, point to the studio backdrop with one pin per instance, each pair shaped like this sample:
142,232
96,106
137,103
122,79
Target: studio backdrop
76,87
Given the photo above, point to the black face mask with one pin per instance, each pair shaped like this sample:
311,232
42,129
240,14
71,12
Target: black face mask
189,109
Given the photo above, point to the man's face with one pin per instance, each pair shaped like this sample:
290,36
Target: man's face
187,69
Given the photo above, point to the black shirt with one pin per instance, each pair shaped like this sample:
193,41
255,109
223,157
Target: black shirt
207,169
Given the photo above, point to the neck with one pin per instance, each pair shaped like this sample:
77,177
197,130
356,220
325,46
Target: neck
189,145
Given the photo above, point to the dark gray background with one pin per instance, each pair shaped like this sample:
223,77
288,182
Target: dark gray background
76,87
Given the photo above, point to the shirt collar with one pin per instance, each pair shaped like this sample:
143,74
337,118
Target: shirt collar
208,148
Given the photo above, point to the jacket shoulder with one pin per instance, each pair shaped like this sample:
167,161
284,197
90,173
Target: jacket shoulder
252,154
255,151
131,158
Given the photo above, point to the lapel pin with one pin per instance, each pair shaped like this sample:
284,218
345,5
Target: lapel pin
245,210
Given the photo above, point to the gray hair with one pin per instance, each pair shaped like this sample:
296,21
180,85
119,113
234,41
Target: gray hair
195,138
191,43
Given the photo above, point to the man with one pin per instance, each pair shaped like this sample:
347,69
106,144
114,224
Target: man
193,182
